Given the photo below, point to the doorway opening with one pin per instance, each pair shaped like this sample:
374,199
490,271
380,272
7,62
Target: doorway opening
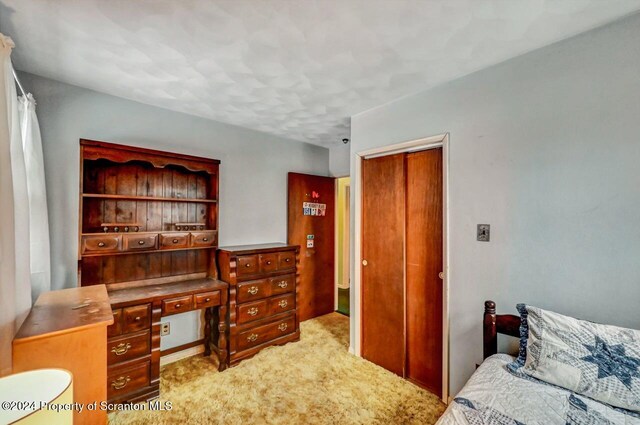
343,199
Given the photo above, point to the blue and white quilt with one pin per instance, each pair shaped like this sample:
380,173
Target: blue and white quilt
495,396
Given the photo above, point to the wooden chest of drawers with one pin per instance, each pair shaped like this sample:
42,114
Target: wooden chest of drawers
263,296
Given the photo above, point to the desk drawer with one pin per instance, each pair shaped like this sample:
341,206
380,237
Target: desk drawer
283,284
101,243
174,240
266,333
253,290
128,347
207,299
177,305
116,328
252,311
125,379
136,318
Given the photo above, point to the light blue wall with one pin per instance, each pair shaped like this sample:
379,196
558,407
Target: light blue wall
253,172
545,148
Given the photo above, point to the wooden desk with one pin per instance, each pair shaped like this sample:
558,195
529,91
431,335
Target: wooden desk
133,348
68,329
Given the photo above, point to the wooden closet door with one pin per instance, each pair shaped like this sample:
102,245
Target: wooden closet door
383,215
424,223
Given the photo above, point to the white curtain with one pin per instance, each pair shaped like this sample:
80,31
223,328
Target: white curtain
15,240
39,255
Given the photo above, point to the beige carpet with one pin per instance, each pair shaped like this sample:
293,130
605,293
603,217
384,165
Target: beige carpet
313,381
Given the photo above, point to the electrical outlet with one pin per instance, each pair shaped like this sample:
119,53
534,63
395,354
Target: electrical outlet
484,232
165,328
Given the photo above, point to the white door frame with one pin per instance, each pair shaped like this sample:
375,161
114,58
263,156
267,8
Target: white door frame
337,277
441,140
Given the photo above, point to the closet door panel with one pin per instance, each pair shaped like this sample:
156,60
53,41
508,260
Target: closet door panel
424,262
383,216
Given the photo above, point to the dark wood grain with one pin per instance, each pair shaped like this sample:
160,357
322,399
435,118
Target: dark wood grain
494,324
317,285
150,267
73,309
142,294
424,242
383,221
259,299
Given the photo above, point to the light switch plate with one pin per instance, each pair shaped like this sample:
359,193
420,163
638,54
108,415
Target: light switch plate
484,232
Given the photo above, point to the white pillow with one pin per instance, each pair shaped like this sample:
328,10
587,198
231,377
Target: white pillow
599,361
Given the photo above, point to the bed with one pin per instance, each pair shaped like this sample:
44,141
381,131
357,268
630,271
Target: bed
497,395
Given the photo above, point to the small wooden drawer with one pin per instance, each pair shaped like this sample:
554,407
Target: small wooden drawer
283,284
282,303
136,318
286,260
252,311
203,239
115,329
125,379
261,334
247,264
101,243
140,242
268,262
253,290
128,347
207,299
174,240
177,305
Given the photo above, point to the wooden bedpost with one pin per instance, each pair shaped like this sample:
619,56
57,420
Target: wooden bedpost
489,330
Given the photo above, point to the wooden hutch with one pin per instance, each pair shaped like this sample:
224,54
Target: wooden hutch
148,230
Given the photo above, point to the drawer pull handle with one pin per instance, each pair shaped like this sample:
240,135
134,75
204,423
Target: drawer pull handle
252,337
205,239
248,265
282,303
175,241
121,348
268,263
207,300
282,327
100,244
140,242
283,284
287,260
137,319
121,382
253,290
252,311
178,305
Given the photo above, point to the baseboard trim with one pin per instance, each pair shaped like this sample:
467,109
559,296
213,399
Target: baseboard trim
352,351
182,347
183,354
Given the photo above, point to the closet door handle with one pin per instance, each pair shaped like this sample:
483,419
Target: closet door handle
441,275
364,263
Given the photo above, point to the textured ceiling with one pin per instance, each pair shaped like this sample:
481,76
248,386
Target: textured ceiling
297,69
